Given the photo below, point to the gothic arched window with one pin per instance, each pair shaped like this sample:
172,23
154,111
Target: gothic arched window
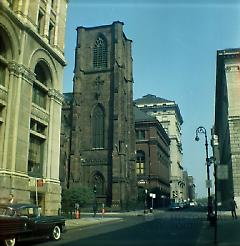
98,127
140,165
100,53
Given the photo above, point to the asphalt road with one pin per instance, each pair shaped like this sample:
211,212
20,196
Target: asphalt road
168,229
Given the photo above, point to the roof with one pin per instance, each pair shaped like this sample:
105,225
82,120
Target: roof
231,51
151,99
141,116
151,102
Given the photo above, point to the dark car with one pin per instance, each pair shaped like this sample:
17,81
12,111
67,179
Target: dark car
174,206
23,221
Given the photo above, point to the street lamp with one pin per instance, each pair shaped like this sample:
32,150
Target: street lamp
95,200
145,199
202,130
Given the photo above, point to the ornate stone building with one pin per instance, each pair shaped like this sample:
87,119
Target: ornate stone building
31,72
168,114
98,143
227,124
152,158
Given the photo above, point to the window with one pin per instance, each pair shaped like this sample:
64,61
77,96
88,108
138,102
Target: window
100,53
2,73
40,74
3,62
140,134
40,91
98,127
40,23
1,113
51,33
37,127
39,96
140,165
35,157
53,4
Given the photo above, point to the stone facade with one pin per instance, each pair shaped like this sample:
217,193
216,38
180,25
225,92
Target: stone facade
191,189
227,123
31,73
168,114
100,135
152,158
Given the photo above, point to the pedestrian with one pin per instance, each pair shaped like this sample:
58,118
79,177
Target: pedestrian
11,198
233,206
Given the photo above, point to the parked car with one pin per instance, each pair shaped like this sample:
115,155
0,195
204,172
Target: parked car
174,206
23,221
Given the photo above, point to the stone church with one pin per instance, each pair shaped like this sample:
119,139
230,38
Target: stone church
98,136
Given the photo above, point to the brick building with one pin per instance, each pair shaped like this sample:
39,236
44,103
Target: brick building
168,114
152,157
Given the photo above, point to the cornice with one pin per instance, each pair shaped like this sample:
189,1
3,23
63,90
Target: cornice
20,70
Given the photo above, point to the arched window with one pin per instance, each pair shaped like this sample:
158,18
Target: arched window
98,183
40,89
38,129
140,164
100,53
98,127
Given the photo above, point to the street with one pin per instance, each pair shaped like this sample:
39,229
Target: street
169,228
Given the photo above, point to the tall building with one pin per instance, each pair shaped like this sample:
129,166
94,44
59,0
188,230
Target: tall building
168,114
191,189
152,158
100,135
227,123
185,186
31,73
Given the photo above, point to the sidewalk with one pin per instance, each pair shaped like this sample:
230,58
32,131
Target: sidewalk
87,219
228,232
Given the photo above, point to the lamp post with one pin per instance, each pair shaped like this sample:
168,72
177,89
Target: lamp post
95,200
202,130
145,198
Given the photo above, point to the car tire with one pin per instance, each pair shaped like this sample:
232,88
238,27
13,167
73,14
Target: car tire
10,241
56,233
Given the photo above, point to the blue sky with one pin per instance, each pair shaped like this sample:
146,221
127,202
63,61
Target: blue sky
174,56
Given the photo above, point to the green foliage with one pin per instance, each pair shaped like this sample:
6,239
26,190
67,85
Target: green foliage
81,195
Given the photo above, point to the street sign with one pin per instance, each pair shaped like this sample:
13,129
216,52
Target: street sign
222,172
152,195
40,182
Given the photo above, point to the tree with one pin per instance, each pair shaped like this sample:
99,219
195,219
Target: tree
76,195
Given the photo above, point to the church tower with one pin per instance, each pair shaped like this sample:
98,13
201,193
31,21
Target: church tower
102,154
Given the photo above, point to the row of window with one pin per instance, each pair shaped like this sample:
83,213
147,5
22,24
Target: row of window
39,97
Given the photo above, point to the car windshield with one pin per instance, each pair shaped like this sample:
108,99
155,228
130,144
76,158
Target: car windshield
29,212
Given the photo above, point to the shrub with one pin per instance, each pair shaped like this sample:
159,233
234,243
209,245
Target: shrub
81,195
